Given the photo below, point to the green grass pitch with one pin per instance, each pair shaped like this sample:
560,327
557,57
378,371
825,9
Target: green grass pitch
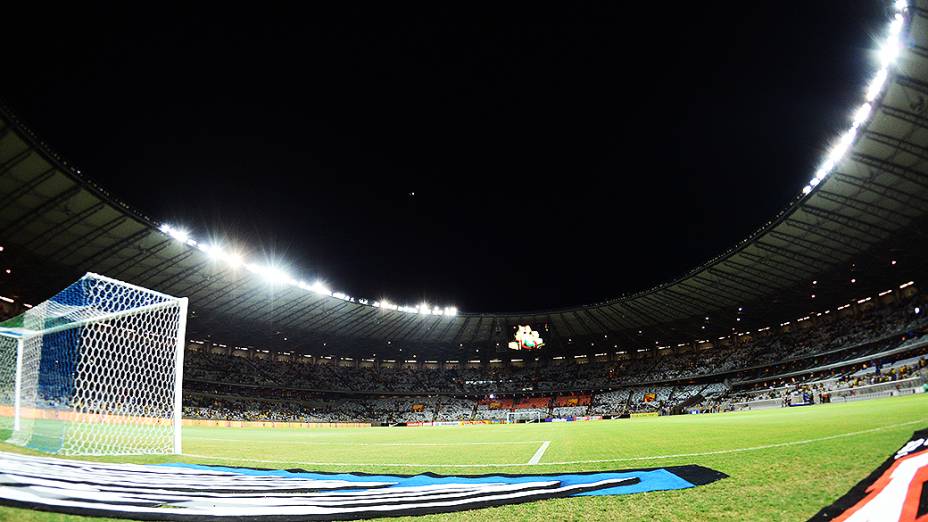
784,464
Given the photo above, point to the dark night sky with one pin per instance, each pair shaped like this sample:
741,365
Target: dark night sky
557,158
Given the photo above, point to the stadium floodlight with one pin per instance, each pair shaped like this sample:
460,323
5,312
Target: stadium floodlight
888,53
177,233
895,28
214,251
876,84
235,260
277,276
824,170
862,113
95,370
320,288
271,274
837,152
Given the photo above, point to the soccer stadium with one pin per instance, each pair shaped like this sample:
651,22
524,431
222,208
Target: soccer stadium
151,370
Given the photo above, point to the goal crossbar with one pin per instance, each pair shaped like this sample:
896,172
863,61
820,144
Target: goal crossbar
26,334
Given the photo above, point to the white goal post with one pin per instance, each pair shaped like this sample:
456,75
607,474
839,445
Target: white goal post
95,370
513,417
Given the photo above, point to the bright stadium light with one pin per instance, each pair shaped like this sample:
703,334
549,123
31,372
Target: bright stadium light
176,233
320,288
234,259
895,28
270,274
278,276
888,53
844,143
863,112
214,251
876,84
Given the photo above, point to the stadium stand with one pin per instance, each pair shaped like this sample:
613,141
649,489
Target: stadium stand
831,354
825,289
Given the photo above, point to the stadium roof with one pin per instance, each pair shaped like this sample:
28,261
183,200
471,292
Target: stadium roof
856,230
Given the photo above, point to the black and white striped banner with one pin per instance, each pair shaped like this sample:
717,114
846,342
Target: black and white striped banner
189,492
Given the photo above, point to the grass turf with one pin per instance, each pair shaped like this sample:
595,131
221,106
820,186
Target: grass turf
783,464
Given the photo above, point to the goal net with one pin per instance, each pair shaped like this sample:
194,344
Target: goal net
95,370
513,417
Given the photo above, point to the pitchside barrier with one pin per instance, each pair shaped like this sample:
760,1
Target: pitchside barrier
272,424
883,389
585,418
908,386
877,395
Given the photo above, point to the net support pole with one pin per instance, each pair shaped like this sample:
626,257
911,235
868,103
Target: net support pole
18,384
179,374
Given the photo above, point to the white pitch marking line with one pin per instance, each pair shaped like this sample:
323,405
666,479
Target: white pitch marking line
539,452
340,443
564,462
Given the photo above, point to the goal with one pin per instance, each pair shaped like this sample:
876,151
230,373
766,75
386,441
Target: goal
95,370
513,417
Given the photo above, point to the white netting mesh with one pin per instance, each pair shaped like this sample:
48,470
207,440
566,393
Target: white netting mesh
99,370
7,384
524,416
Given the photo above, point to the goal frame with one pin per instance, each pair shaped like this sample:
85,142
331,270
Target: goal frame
534,416
170,301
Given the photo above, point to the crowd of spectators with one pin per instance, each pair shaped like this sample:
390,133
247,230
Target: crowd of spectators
230,403
753,358
910,372
268,388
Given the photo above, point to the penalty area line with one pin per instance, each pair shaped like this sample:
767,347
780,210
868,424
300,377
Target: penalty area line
344,443
567,462
539,452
